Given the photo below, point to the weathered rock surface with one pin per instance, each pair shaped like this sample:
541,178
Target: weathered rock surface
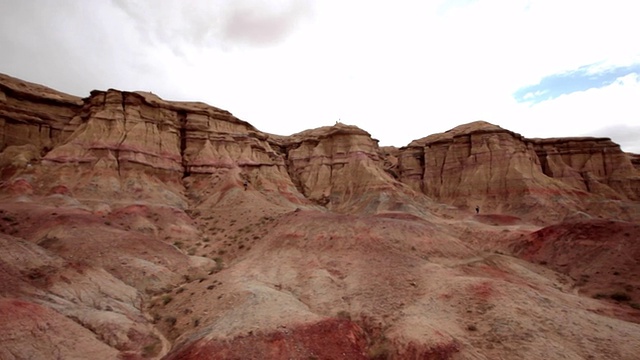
600,254
635,160
133,227
595,165
127,143
483,164
34,114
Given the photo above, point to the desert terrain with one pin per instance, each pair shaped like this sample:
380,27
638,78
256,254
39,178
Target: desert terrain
133,227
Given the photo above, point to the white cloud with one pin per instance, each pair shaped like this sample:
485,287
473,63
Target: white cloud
398,70
579,113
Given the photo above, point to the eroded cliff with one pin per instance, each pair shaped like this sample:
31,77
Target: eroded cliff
110,135
146,228
483,164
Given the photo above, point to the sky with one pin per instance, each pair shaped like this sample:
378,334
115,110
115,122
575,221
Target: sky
400,70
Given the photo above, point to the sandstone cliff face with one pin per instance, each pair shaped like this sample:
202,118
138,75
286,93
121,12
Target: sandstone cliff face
131,144
480,163
475,164
596,165
124,143
635,160
33,114
111,135
336,165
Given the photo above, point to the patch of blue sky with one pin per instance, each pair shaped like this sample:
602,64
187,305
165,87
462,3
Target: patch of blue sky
584,78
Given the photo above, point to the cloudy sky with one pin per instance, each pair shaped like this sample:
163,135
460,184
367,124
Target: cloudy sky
400,70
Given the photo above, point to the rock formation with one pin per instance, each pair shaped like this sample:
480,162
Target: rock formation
134,227
480,163
595,165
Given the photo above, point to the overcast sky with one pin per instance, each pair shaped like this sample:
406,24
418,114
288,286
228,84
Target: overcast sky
400,70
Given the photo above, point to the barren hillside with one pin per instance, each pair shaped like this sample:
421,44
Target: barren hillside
133,227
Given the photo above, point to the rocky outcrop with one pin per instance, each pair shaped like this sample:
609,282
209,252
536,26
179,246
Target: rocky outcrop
481,163
595,165
118,143
179,137
117,127
635,160
125,143
335,165
476,163
34,114
110,133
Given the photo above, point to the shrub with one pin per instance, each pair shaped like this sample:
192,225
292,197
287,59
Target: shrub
8,218
166,299
343,314
151,350
620,296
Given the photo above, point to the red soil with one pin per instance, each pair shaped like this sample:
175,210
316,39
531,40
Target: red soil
327,339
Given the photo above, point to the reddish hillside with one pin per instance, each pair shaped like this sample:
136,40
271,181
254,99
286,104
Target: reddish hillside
600,255
137,228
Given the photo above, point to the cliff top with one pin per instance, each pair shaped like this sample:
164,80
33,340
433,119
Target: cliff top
27,89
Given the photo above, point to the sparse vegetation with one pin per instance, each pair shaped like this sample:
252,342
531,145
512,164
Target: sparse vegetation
617,296
379,351
152,349
166,299
8,218
343,314
620,296
219,264
171,320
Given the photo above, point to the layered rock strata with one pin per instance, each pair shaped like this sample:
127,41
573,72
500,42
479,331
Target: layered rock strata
129,143
595,165
34,114
335,165
157,229
483,163
122,143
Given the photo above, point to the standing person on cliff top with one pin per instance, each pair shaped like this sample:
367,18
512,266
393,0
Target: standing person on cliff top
477,209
